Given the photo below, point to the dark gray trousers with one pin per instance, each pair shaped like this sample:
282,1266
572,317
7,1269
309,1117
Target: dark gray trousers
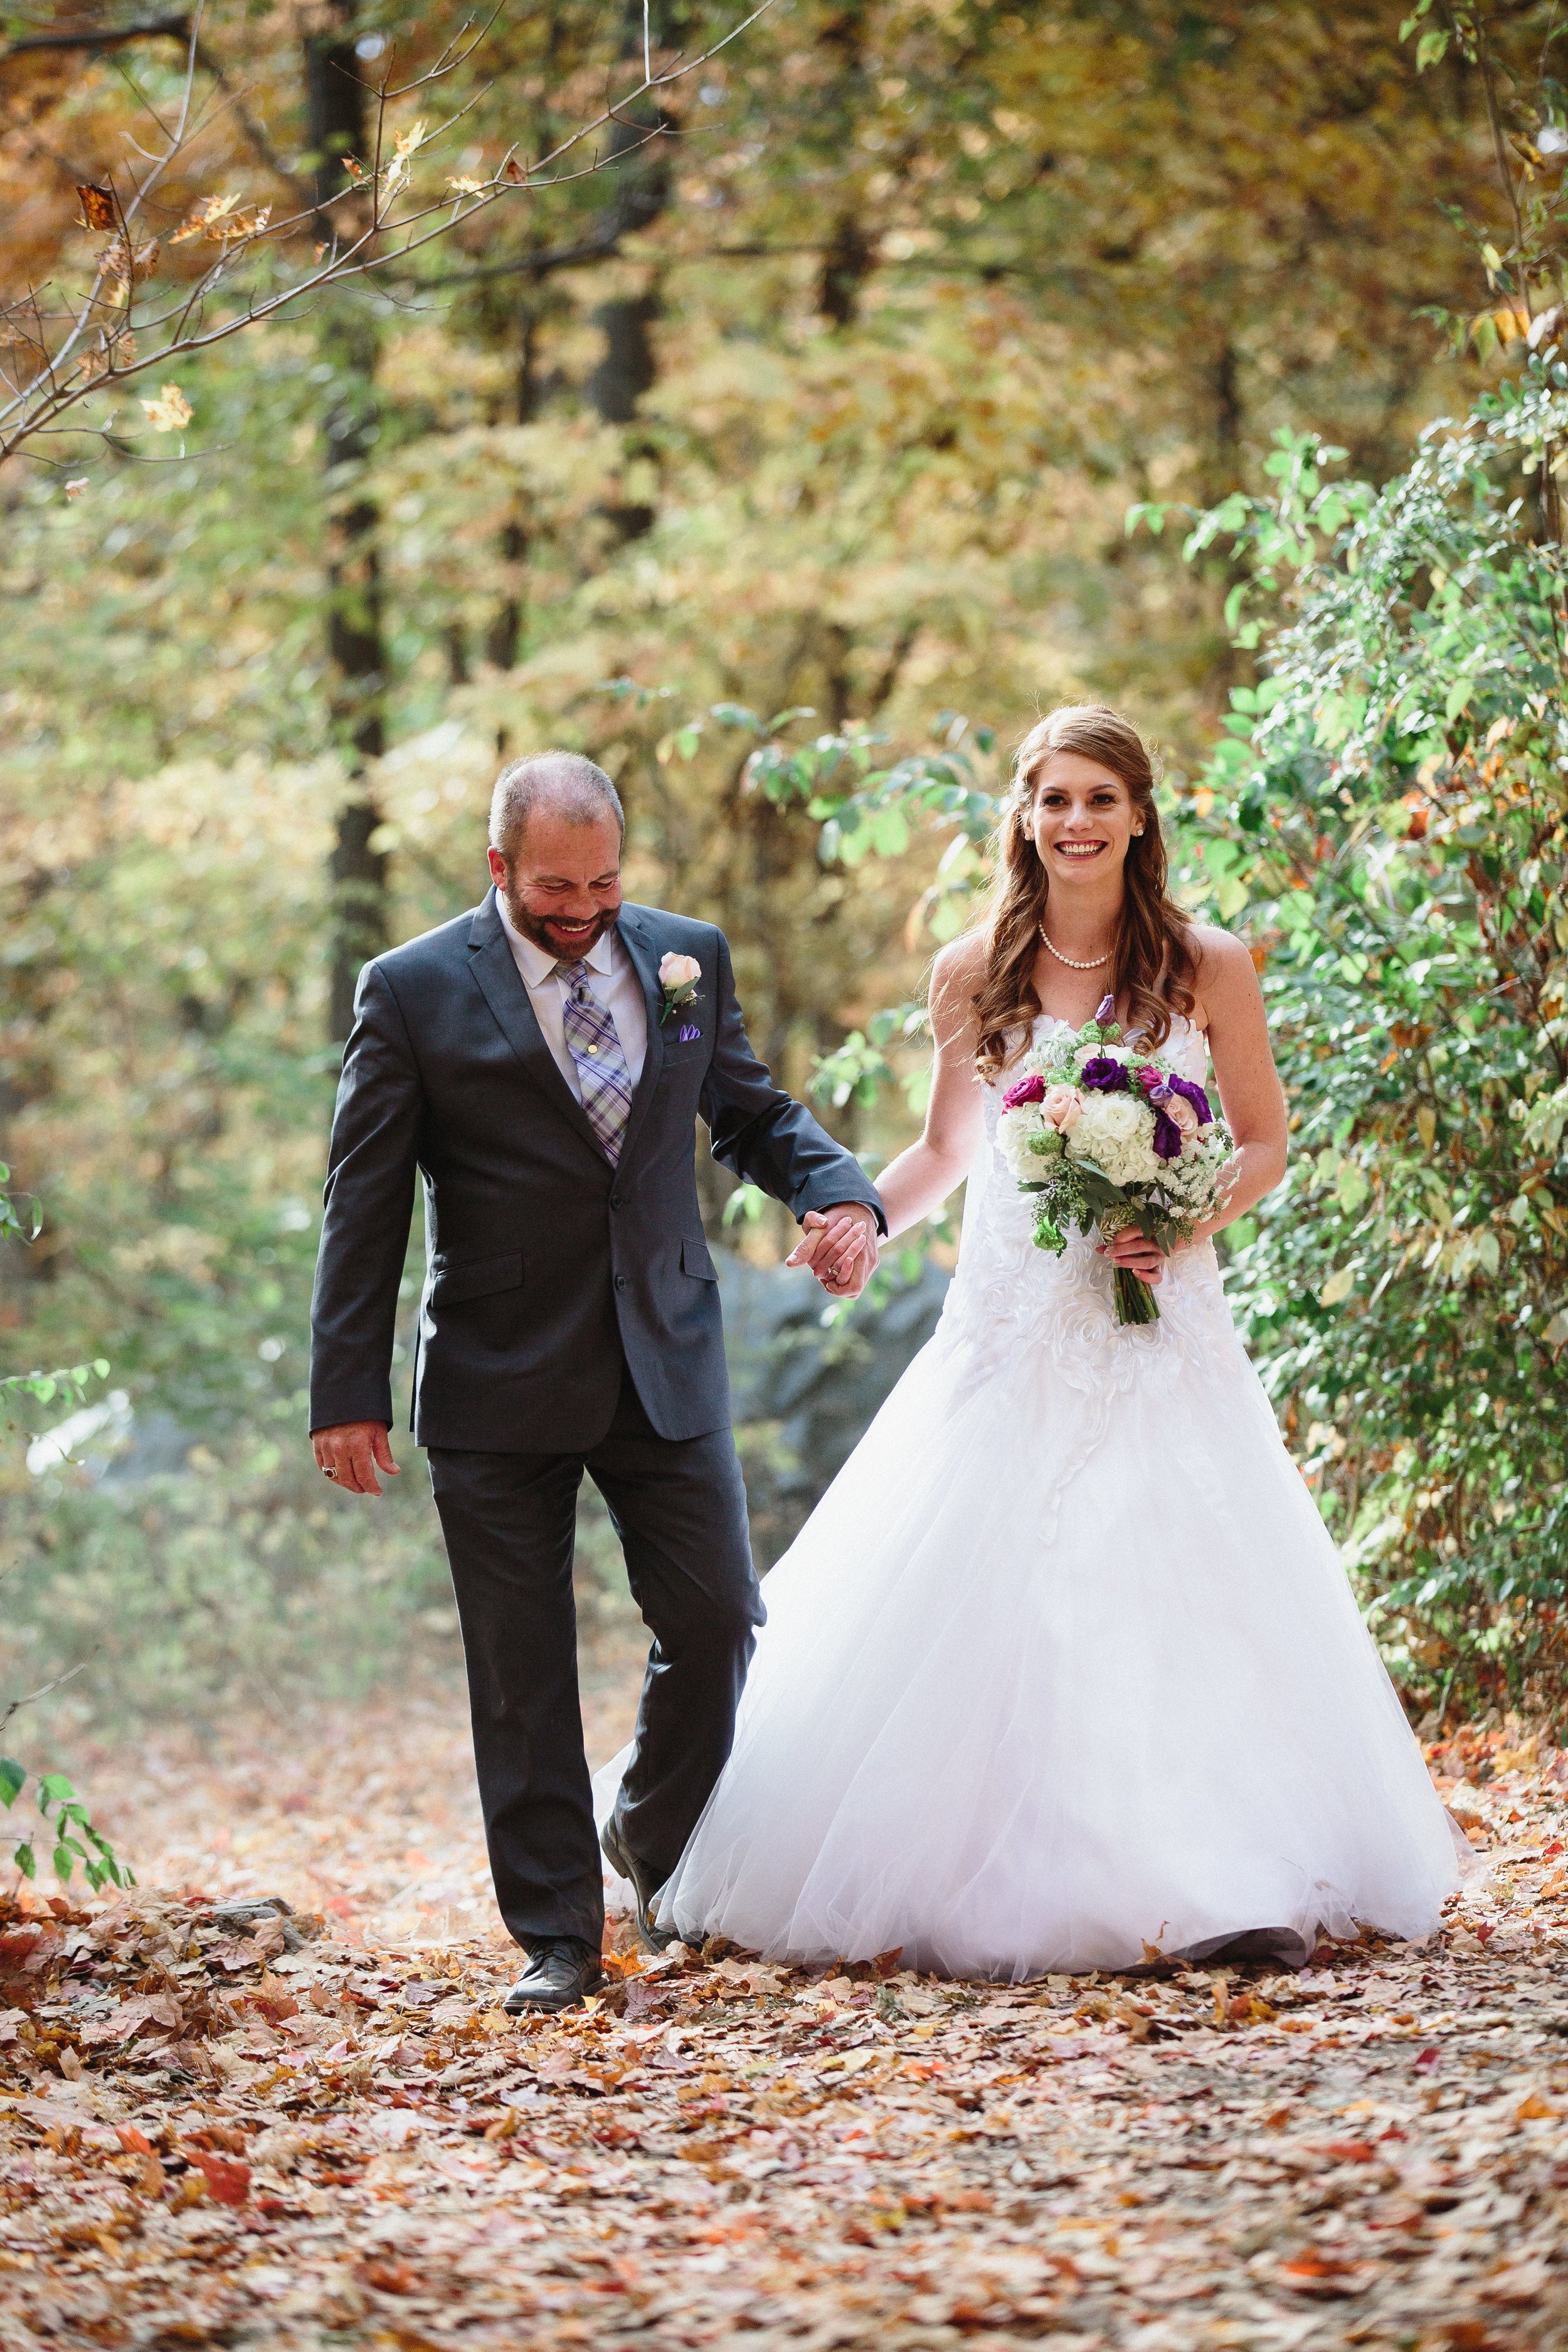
680,1508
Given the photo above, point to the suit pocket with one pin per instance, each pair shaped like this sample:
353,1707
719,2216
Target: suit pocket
478,1277
696,1261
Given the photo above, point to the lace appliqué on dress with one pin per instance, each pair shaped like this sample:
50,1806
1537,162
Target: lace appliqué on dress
1010,1299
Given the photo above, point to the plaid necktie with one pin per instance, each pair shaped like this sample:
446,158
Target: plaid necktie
595,1050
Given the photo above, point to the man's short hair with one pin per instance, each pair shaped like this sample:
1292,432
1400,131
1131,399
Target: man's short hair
562,781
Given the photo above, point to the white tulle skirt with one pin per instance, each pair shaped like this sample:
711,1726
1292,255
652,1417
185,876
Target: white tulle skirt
1063,1667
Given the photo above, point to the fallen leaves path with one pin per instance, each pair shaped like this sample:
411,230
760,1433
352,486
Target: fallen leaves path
247,2129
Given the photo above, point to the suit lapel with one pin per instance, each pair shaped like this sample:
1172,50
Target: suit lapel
501,983
636,936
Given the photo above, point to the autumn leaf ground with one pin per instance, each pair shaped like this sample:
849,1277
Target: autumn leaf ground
320,2130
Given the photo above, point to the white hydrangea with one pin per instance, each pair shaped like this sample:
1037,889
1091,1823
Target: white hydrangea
1017,1134
1116,1132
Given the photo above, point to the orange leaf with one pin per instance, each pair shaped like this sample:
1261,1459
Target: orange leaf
171,412
227,2181
391,2278
98,207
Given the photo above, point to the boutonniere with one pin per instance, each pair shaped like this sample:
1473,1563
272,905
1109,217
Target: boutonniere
677,976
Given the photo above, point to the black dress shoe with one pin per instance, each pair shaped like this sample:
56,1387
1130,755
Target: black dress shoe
560,1975
624,1863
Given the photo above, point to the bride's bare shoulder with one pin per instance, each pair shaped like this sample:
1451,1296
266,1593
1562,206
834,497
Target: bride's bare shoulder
1224,972
956,975
959,964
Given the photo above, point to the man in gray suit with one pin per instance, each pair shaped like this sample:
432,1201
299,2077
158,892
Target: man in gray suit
541,1064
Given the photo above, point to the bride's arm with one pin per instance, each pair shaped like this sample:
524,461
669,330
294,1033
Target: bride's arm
1249,1092
919,1179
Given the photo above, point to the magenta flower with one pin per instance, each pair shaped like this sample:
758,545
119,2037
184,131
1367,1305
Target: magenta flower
1031,1089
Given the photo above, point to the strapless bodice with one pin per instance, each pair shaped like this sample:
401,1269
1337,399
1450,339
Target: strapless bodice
1187,1046
1010,1298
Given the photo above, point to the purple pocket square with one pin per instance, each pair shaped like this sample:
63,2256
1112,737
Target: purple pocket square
689,1035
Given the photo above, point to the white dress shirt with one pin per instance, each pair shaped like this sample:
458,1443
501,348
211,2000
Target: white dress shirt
614,979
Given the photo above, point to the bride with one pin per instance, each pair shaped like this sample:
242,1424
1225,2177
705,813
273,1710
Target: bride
1064,1665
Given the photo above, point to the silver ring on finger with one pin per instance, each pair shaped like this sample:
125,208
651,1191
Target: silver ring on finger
326,1473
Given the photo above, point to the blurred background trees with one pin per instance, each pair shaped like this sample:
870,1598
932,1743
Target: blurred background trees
830,396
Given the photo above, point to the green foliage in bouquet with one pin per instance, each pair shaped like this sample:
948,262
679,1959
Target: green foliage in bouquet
1388,813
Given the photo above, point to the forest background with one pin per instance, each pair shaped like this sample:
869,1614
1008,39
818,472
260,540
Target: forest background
866,403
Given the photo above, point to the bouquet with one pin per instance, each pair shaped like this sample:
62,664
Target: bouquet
1103,1134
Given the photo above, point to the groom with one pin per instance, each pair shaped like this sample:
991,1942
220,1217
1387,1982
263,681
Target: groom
542,1063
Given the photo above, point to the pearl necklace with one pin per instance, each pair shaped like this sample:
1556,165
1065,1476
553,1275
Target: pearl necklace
1073,960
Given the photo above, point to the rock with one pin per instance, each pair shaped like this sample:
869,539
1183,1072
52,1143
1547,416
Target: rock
805,1394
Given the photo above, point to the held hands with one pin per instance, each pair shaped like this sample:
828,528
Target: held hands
351,1453
840,1246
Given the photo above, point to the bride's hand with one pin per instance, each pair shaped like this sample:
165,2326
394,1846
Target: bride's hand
839,1245
1136,1252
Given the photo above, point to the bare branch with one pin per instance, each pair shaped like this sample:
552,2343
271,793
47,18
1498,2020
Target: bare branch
17,1703
447,61
102,37
62,379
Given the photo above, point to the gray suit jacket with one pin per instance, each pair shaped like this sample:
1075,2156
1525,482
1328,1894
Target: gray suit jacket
545,1264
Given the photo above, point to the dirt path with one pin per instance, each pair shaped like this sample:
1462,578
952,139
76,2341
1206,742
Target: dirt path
205,2137
368,1814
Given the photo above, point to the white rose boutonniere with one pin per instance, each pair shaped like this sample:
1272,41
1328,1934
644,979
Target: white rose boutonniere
677,976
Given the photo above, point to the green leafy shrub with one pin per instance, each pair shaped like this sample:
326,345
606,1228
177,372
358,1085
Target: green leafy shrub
65,1824
241,1584
65,1819
1388,813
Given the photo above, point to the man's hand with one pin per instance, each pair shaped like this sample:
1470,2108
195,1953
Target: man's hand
352,1453
839,1245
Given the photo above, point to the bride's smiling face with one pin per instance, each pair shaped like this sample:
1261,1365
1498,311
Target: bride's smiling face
1082,820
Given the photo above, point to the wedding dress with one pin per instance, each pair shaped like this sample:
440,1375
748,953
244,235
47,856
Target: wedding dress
1064,1665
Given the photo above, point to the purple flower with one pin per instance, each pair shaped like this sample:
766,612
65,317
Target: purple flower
1167,1136
1031,1089
1105,1076
1192,1093
1105,1010
1151,1082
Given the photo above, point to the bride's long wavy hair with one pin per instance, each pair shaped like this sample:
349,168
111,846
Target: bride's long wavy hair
1155,959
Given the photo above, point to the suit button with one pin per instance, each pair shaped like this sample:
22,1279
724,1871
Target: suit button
617,1199
620,1281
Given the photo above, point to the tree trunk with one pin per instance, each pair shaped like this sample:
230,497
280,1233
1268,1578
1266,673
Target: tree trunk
339,126
845,266
629,365
504,635
846,256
